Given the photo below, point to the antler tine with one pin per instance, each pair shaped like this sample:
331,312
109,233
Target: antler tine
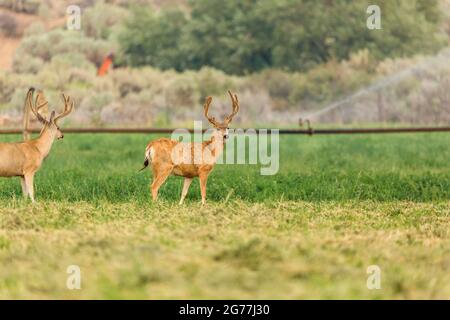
212,120
235,106
68,107
33,108
43,104
66,99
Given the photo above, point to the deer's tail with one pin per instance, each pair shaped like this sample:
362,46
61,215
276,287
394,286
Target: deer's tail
148,156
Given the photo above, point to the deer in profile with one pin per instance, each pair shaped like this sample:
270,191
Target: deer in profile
189,160
23,159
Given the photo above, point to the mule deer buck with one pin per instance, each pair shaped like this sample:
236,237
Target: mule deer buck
189,160
23,159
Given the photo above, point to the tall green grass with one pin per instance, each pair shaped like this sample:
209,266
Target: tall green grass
319,168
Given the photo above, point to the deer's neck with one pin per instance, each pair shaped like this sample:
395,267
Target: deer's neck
216,144
44,142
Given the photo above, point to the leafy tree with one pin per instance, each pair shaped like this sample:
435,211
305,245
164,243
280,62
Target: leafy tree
229,35
153,39
244,36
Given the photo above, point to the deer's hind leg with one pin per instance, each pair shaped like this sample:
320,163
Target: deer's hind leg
159,177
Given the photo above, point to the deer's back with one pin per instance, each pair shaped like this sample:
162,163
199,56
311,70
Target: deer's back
162,150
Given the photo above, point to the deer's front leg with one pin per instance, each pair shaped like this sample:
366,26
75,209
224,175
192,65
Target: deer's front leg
29,185
24,186
203,179
186,184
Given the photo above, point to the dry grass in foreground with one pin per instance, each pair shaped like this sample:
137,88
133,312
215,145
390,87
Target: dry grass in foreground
235,250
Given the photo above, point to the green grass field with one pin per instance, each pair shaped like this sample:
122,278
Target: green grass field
337,205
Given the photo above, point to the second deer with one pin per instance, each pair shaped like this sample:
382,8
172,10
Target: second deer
189,160
23,159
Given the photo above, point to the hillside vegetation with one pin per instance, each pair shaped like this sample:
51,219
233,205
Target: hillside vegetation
284,58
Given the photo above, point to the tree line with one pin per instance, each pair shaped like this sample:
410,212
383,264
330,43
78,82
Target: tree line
244,36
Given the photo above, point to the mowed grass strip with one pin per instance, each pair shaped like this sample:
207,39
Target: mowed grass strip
234,250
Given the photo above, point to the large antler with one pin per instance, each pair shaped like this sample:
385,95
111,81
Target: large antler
68,107
37,106
234,100
212,120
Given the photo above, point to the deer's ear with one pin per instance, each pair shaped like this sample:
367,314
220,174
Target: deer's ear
52,116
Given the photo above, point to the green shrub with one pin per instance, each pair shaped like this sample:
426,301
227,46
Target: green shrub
102,20
7,85
34,29
47,45
28,64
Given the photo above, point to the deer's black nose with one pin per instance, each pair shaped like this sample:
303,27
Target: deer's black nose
225,136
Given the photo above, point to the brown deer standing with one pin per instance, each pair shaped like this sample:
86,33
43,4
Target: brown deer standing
188,160
23,159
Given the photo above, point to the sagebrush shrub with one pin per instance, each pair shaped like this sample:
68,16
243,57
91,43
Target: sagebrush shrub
8,25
